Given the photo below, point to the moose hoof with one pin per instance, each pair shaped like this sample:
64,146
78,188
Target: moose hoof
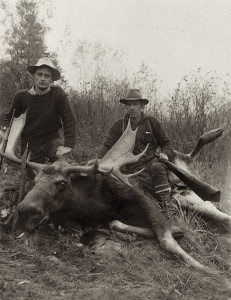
177,232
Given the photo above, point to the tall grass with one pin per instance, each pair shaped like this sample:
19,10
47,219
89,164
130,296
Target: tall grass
55,266
194,107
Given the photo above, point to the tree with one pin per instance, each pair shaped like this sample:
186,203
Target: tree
24,39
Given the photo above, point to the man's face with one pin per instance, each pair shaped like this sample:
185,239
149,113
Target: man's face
134,109
43,78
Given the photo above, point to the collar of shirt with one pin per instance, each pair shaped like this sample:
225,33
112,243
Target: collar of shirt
143,117
33,92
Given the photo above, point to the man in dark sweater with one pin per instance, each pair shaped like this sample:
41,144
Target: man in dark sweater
154,178
48,110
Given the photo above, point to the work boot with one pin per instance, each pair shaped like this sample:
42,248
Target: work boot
164,200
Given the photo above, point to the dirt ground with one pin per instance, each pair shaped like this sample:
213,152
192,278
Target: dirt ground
57,266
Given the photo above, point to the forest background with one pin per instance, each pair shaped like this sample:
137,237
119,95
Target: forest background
197,104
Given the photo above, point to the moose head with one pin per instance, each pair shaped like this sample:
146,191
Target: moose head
54,183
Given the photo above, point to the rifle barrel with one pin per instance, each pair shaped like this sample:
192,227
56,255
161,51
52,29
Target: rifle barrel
204,190
6,138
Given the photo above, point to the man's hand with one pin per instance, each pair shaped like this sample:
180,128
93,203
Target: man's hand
163,157
61,150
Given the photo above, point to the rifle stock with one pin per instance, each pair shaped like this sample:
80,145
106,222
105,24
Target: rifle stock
204,190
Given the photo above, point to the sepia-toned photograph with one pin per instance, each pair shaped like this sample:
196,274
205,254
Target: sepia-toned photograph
115,149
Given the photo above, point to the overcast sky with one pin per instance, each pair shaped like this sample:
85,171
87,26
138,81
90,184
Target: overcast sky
173,38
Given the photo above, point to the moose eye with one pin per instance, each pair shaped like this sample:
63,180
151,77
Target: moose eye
61,184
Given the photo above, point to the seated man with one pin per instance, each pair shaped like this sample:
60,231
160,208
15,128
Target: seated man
154,178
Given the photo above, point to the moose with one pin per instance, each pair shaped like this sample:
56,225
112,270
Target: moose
102,194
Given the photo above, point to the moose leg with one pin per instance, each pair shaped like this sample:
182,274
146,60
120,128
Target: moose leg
205,208
157,223
121,227
160,226
162,230
168,243
146,232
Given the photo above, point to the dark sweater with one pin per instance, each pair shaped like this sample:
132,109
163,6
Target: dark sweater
143,136
46,114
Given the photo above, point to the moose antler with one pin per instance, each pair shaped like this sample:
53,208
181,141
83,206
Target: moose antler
205,139
121,154
14,135
87,169
13,138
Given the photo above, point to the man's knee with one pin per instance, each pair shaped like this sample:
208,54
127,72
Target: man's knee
158,167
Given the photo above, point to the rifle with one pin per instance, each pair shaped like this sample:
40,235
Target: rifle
6,139
204,190
21,193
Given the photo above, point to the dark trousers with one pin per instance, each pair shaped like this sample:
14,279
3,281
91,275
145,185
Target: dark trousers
154,177
39,154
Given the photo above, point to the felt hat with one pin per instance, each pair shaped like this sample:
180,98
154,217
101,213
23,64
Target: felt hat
46,62
134,95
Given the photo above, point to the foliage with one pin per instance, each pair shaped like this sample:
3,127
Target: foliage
25,43
24,40
196,106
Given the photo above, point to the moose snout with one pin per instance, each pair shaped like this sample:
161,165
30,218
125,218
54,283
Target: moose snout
28,221
29,216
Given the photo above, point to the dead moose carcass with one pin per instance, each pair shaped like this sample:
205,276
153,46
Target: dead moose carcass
90,198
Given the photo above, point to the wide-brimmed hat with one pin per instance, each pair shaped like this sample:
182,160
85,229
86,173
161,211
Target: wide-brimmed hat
134,95
46,62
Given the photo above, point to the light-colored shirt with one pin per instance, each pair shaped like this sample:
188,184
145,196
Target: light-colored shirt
33,92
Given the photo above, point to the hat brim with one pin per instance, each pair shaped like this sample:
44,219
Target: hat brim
55,73
124,101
